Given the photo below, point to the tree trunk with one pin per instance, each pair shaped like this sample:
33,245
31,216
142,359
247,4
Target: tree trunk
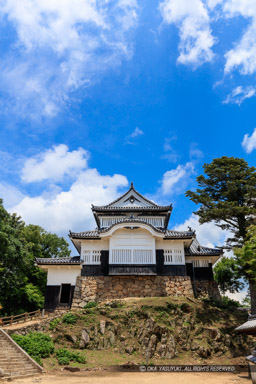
252,286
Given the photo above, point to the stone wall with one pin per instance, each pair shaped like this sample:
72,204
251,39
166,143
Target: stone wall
207,288
100,288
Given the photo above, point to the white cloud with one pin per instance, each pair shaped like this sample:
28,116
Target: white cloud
59,210
194,152
193,21
71,209
208,234
243,55
238,296
10,195
176,179
54,164
170,153
249,142
239,94
62,46
137,132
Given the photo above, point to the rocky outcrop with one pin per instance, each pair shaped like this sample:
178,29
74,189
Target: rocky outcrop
155,328
100,288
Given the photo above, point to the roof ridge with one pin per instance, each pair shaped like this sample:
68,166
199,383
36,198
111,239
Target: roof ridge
126,193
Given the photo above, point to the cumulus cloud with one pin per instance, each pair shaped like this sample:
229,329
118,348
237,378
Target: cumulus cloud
239,94
61,47
238,296
59,209
54,164
193,21
176,179
71,209
243,55
249,142
208,234
10,195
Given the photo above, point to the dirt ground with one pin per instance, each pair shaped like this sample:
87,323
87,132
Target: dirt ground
136,378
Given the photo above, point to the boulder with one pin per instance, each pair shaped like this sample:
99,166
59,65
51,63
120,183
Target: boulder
102,326
194,346
85,339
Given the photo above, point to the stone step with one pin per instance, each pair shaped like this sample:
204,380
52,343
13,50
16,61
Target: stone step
14,364
20,373
14,361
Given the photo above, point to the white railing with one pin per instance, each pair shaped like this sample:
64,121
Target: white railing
173,256
91,257
200,263
132,256
155,221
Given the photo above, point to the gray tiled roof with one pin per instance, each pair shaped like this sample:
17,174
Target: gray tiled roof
109,206
169,234
58,260
135,208
249,326
196,249
178,234
87,234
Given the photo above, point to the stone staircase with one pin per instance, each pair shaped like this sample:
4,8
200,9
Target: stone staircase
14,361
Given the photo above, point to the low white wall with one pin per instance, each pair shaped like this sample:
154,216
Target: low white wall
62,274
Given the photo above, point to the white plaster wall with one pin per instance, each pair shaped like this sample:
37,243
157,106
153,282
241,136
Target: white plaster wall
136,238
171,244
63,274
97,245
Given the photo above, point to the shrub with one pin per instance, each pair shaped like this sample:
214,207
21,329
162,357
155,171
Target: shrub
226,302
36,344
69,318
91,304
54,323
64,356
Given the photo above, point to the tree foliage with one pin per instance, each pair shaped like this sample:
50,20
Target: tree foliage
226,273
227,196
246,260
22,284
246,256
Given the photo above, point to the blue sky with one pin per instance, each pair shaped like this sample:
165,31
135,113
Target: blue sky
96,94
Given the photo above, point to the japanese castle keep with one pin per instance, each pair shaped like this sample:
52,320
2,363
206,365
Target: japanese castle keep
131,253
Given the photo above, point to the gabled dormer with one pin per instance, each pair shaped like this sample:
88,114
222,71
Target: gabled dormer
132,205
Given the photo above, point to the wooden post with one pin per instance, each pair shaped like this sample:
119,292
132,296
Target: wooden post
26,316
11,319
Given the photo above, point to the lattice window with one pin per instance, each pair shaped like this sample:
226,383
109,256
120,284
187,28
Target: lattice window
173,256
106,222
132,256
200,263
91,257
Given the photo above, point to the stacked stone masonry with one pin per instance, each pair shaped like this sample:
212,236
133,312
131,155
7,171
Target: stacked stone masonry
207,288
101,288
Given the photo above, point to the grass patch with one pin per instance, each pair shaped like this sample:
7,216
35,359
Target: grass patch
65,356
69,318
91,304
54,323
